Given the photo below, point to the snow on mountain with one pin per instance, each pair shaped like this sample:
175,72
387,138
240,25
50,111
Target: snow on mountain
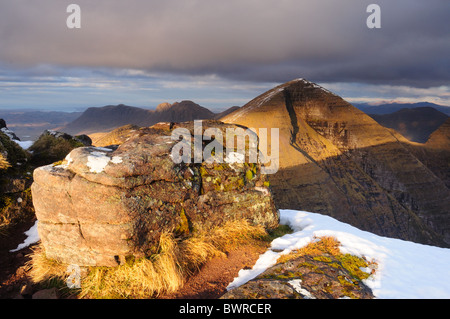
406,270
12,136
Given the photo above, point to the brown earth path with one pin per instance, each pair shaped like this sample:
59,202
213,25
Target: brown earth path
213,278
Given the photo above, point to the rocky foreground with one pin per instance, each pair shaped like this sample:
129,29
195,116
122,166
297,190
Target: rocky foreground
103,205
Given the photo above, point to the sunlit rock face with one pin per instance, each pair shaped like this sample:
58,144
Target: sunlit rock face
336,160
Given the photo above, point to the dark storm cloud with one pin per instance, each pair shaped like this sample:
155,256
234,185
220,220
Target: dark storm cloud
256,40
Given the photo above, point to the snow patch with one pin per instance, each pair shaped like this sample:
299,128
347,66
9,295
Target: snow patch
68,160
297,285
23,144
405,269
8,133
97,161
32,237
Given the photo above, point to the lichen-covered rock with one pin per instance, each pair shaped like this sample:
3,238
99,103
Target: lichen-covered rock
304,277
100,205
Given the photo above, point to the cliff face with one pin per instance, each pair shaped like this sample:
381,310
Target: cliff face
336,160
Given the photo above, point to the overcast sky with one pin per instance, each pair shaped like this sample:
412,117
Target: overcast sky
219,53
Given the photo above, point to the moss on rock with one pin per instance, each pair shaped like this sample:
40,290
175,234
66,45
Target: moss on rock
315,271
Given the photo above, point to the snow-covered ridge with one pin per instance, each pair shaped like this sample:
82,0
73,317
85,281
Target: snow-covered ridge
312,84
405,269
12,136
9,133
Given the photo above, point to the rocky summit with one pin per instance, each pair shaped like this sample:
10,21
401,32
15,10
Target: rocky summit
101,206
336,160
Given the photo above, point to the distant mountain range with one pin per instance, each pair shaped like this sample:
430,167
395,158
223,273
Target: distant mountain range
107,118
416,124
29,125
394,107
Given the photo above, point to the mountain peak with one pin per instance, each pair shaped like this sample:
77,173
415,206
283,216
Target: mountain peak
107,118
306,84
300,87
336,160
163,107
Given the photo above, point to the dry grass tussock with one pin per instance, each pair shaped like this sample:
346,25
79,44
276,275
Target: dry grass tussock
4,164
164,272
319,246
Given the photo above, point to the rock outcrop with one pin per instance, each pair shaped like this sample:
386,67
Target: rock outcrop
336,160
304,277
52,146
102,206
115,137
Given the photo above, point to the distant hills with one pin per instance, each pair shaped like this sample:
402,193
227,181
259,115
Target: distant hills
440,139
107,118
416,124
29,125
394,107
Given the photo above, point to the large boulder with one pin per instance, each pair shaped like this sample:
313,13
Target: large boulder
103,205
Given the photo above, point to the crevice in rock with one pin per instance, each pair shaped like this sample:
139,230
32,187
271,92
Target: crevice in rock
81,232
294,123
292,116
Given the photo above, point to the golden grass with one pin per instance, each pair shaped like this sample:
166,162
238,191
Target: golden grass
323,245
164,272
44,269
4,164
